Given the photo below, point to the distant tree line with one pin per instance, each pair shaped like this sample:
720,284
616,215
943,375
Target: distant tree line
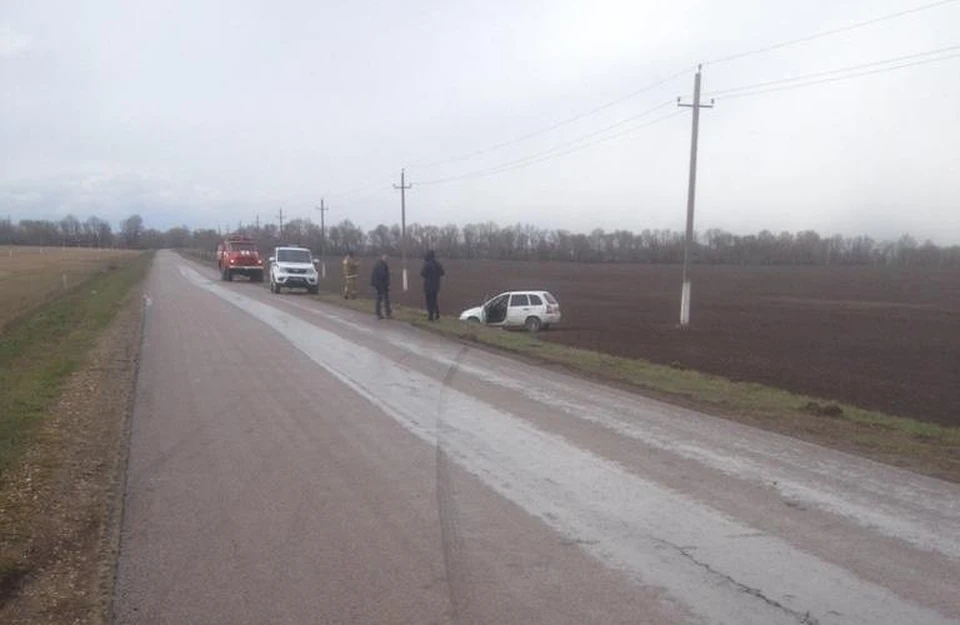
72,232
519,242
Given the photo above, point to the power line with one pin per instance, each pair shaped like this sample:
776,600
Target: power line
556,125
556,147
355,190
840,70
568,143
834,31
533,160
746,94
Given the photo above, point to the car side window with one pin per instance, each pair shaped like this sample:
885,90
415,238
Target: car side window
535,300
519,300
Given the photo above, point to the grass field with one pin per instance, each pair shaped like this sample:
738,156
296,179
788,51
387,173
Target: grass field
42,348
32,276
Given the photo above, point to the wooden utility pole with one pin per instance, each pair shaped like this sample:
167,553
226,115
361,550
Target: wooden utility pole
691,196
403,225
323,239
281,225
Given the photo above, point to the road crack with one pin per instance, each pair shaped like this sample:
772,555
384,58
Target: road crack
804,618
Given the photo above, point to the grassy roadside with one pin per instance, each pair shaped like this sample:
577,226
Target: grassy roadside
919,446
66,373
38,353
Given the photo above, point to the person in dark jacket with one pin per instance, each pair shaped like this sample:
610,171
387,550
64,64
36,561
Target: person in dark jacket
380,280
431,273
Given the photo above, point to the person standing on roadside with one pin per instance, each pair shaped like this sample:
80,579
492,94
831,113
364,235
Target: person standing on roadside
380,280
431,273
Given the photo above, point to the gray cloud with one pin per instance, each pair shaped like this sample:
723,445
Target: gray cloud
217,111
12,43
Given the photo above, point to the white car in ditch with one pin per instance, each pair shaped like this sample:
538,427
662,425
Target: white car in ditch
293,267
533,310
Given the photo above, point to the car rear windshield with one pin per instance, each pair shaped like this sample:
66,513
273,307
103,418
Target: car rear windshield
239,247
293,256
550,298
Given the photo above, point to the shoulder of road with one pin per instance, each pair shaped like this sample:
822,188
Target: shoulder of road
67,370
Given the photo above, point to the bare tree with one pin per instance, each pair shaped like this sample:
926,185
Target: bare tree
131,230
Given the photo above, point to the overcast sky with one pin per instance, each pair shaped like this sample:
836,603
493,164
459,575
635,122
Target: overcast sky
206,112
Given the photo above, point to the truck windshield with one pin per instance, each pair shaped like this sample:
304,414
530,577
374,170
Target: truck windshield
293,256
238,247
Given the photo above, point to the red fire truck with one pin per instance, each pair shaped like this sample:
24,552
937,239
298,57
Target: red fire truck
238,254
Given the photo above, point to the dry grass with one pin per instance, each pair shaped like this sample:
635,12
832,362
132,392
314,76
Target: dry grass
61,415
33,276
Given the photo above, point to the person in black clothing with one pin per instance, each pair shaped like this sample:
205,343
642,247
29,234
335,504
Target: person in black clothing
380,280
431,273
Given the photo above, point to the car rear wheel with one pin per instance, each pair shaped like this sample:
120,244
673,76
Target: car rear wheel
229,275
533,324
473,320
313,290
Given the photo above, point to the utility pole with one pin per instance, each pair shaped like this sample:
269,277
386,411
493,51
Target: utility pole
258,223
403,224
691,196
281,225
323,239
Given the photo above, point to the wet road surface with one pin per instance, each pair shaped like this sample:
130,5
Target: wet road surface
293,462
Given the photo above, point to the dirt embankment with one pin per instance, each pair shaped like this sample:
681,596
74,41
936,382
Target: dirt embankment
62,500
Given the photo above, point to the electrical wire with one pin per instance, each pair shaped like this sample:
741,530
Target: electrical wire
556,125
827,33
834,71
503,168
745,94
738,92
354,191
555,148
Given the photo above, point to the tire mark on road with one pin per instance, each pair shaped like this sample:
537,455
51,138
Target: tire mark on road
456,570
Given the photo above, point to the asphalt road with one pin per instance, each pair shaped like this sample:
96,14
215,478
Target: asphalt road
293,462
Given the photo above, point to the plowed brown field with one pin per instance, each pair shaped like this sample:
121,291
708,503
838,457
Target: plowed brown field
880,338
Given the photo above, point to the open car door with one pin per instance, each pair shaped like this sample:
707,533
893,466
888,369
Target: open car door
494,312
